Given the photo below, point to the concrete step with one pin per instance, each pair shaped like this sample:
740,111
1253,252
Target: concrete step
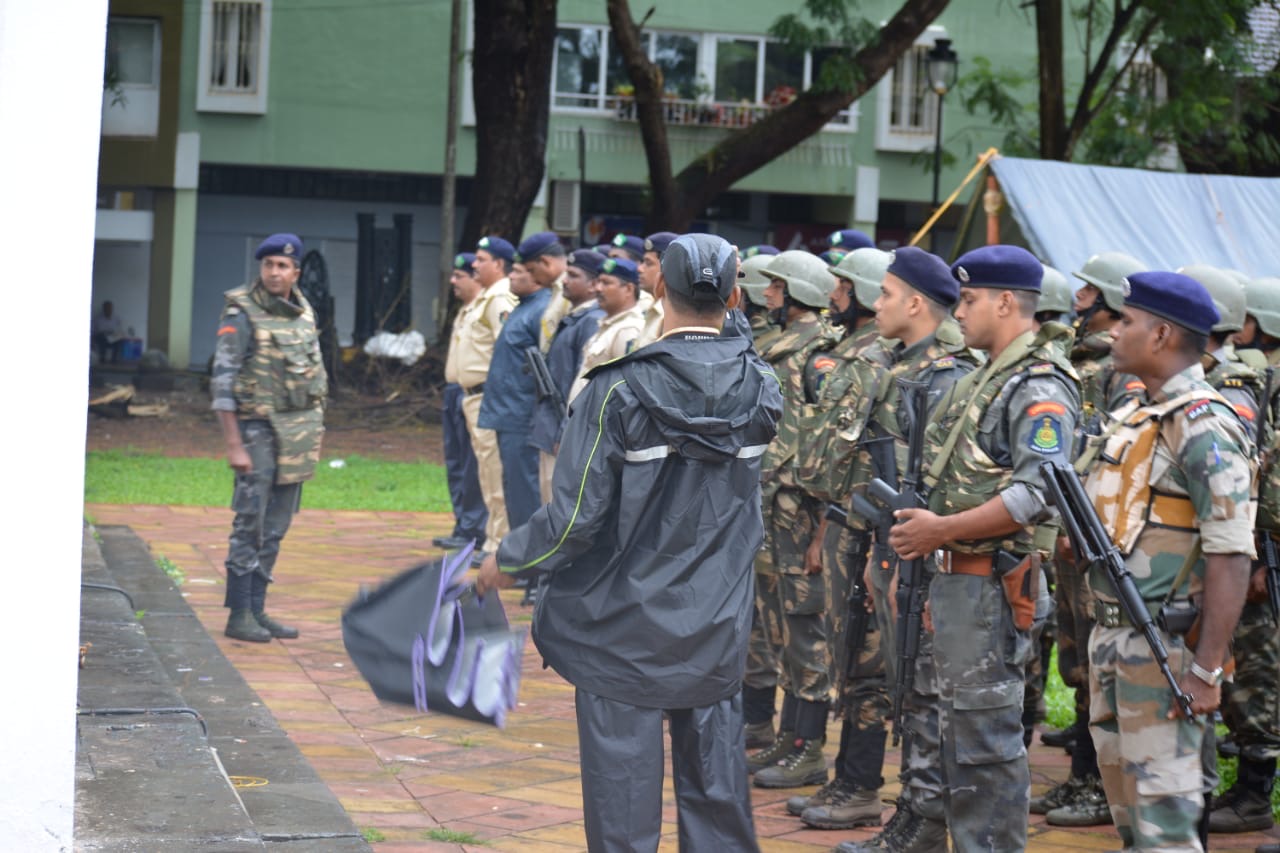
182,666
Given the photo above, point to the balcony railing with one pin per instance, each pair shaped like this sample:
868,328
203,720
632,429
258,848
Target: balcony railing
695,113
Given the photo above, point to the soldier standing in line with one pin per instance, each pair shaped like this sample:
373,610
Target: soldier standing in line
1258,342
509,393
915,298
470,515
648,263
763,330
268,386
617,289
476,331
1176,501
565,357
546,263
1080,800
789,590
1239,383
985,445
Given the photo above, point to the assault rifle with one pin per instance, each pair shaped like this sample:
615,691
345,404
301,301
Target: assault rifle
545,387
1094,547
911,593
858,617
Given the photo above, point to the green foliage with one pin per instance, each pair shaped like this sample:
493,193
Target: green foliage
371,834
139,614
442,834
1007,96
171,569
835,33
126,477
1059,699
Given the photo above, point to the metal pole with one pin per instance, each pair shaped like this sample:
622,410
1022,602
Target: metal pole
449,194
937,152
582,186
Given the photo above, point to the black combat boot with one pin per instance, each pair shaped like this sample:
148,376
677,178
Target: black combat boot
242,626
804,764
258,599
1246,806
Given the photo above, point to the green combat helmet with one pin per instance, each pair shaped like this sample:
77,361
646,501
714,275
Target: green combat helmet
866,269
1055,292
1107,272
806,276
1262,300
1227,293
754,281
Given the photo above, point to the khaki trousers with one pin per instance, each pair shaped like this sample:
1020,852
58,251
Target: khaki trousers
485,444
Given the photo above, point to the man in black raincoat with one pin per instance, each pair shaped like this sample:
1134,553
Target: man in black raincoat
647,545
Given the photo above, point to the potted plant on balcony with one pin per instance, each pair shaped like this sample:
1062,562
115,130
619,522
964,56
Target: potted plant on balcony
624,101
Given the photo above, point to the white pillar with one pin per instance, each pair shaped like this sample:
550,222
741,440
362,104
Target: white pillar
50,105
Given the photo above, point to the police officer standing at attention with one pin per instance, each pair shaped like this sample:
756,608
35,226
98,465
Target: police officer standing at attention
268,386
985,445
1186,465
470,515
509,391
617,287
565,357
547,266
650,300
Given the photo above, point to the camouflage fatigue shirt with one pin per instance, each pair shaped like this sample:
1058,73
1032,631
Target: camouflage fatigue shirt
1102,389
789,355
1203,454
1239,383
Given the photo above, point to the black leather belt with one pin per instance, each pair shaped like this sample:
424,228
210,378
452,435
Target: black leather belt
474,389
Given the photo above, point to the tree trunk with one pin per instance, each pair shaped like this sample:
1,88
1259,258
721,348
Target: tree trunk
511,77
746,150
1053,108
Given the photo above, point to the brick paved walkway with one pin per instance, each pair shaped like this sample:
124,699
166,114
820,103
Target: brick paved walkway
405,775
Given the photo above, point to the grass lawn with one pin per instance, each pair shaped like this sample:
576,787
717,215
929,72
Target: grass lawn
125,477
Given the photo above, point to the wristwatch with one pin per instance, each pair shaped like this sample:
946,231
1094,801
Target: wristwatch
1210,677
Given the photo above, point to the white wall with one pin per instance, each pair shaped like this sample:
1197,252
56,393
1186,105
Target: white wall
49,175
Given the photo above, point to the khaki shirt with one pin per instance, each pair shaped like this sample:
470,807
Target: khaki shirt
475,331
557,307
616,336
651,310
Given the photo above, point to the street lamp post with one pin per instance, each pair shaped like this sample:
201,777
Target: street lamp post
942,66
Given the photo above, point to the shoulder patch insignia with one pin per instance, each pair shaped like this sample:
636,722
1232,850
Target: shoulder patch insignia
1040,369
944,363
1046,435
1244,411
1135,386
1046,407
1233,382
824,363
227,330
1198,408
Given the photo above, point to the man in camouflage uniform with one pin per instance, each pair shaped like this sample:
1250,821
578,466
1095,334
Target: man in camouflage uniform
1172,486
984,446
1079,800
916,296
268,386
753,283
1258,342
789,588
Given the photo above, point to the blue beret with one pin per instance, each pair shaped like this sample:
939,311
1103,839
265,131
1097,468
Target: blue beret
289,245
633,246
621,268
465,261
536,244
1175,297
659,241
831,257
1000,267
602,248
497,247
762,249
703,267
588,261
926,272
850,239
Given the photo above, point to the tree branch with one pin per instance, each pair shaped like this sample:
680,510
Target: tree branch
1087,106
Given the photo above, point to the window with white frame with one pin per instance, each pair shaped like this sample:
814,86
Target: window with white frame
906,107
131,78
235,43
746,73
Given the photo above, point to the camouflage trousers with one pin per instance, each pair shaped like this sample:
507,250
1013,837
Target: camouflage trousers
1075,621
1250,704
1151,766
921,763
263,508
980,659
861,690
791,603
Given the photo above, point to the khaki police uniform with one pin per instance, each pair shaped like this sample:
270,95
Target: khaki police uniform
651,314
616,336
474,334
